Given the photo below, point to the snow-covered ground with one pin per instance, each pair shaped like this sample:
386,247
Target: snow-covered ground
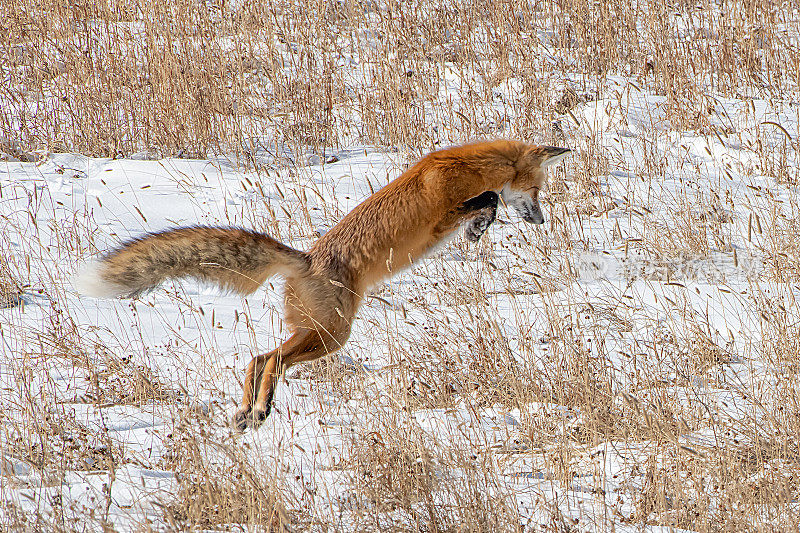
631,365
632,302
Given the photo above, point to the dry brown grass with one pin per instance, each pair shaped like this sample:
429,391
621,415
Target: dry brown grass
191,78
217,484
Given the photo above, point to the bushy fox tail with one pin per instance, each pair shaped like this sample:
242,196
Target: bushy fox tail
234,259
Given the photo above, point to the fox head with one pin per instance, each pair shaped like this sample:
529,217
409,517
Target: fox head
522,192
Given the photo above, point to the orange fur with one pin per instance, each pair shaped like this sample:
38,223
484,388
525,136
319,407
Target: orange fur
392,228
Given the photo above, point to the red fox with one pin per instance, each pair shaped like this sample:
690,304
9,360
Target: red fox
394,227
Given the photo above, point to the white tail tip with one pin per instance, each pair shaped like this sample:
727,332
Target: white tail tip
89,281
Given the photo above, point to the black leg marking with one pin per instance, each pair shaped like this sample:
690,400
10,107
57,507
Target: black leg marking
257,415
482,201
268,410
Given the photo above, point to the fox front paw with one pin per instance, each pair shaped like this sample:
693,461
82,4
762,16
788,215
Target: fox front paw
476,228
478,225
484,210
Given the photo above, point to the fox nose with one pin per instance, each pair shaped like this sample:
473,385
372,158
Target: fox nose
533,213
534,218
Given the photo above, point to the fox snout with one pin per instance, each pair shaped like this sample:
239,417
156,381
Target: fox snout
525,205
533,215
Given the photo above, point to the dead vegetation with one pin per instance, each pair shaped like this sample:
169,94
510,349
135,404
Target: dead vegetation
223,491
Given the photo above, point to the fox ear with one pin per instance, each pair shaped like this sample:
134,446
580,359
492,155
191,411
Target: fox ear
553,154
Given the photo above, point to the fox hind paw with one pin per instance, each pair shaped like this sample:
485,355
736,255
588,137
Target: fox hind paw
259,415
240,420
252,417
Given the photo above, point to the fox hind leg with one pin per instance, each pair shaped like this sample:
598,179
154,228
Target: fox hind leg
262,373
259,384
260,367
